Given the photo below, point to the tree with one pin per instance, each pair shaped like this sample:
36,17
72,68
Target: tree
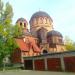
1,10
1,48
17,31
7,42
8,13
70,45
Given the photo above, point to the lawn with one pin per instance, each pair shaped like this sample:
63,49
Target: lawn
29,72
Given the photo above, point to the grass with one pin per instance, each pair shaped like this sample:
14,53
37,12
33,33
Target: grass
30,72
9,68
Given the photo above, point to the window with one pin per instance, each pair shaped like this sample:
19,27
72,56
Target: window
45,20
60,40
35,21
41,20
45,51
39,36
49,40
20,23
24,24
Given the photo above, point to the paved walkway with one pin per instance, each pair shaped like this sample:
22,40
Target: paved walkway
27,72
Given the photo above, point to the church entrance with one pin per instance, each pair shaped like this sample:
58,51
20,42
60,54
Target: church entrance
45,51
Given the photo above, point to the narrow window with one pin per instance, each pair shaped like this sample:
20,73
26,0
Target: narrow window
60,40
20,23
24,24
45,20
41,20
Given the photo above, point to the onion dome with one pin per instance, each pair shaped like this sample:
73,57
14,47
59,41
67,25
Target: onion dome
21,20
40,14
22,23
54,33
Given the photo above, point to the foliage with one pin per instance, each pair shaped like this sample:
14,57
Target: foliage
7,42
17,31
1,48
8,13
70,45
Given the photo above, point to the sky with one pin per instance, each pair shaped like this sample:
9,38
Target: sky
61,11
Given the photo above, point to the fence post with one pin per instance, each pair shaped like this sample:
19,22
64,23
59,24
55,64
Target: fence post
62,63
45,60
33,64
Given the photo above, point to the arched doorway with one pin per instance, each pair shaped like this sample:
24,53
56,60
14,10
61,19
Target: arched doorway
41,34
45,51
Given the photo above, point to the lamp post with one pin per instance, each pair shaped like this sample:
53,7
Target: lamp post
4,63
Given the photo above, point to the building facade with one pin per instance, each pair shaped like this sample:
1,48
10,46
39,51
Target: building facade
62,61
41,39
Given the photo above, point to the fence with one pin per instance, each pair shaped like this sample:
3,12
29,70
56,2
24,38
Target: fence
51,62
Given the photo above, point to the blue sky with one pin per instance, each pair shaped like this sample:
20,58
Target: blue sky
61,11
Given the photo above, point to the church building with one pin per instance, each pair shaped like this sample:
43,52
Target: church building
39,40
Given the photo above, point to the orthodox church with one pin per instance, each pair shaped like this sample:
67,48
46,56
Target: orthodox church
40,39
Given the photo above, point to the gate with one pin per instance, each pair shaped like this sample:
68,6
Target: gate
28,64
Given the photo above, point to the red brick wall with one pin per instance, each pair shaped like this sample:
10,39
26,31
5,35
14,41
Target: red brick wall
39,64
54,64
70,63
16,56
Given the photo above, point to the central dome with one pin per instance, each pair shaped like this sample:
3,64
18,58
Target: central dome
40,14
40,20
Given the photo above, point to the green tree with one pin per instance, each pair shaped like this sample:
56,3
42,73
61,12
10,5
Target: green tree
8,13
17,31
70,45
1,48
1,9
7,42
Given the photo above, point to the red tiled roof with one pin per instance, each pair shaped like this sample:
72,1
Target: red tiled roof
22,45
26,47
35,47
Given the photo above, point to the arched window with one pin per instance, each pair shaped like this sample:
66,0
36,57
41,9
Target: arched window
24,24
41,20
60,40
39,36
20,23
45,20
45,51
35,21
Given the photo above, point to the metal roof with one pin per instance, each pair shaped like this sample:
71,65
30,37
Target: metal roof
40,13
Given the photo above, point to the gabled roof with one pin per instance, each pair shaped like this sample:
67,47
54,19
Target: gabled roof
22,45
35,47
25,47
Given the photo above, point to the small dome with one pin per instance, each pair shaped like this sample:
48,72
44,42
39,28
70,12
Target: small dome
21,20
54,33
42,14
